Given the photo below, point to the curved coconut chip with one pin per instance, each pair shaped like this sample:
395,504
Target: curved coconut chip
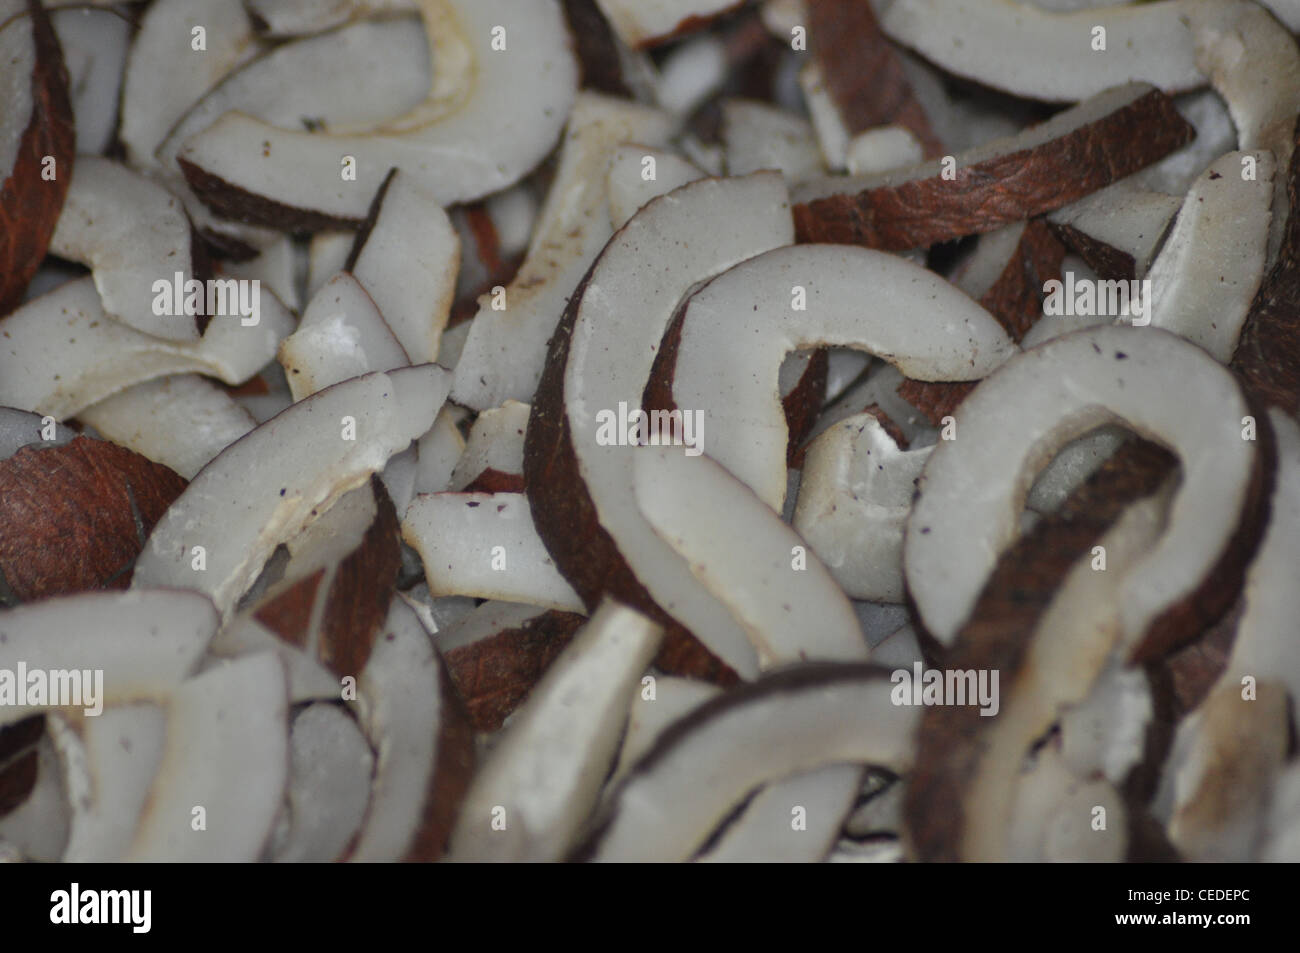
94,44
506,348
735,331
484,545
302,461
478,143
545,773
75,517
97,357
1072,154
37,123
1080,381
796,720
601,354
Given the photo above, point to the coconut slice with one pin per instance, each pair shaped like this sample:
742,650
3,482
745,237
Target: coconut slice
484,545
967,512
439,451
227,753
1225,220
37,125
1002,181
110,763
327,255
641,23
792,609
832,134
341,335
882,149
423,742
493,460
854,498
457,150
96,356
330,764
629,189
760,136
181,422
301,462
735,331
506,347
158,638
791,721
530,799
654,712
1117,230
94,44
150,107
75,517
601,355
408,262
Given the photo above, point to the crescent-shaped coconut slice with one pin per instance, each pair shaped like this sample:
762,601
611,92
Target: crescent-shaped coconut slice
423,742
506,348
330,765
94,46
109,762
642,23
854,499
36,126
796,720
758,136
973,487
484,545
479,143
736,330
132,233
97,356
158,637
531,797
788,603
1225,219
227,753
342,335
163,46
629,189
600,357
407,261
1076,152
216,537
493,461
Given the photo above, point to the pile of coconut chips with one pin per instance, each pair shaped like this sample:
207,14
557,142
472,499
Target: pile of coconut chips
803,430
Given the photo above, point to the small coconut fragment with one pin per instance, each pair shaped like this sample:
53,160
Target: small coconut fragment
439,451
833,135
759,136
629,189
650,714
495,446
327,255
1118,229
640,23
484,545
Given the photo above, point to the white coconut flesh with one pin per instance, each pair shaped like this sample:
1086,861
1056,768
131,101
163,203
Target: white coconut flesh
308,679
37,829
484,545
149,107
629,188
651,712
789,722
1055,813
181,422
300,462
284,18
496,442
408,264
482,142
833,135
110,762
482,622
1125,216
18,49
275,267
759,136
505,349
739,327
20,428
131,233
327,255
784,597
879,150
547,768
330,764
1225,220
853,503
227,752
669,246
94,46
1105,734
158,637
973,488
97,356
342,335
644,22
440,449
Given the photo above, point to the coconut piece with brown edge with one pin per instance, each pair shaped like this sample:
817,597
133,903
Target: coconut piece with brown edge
487,138
1076,152
37,144
94,46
